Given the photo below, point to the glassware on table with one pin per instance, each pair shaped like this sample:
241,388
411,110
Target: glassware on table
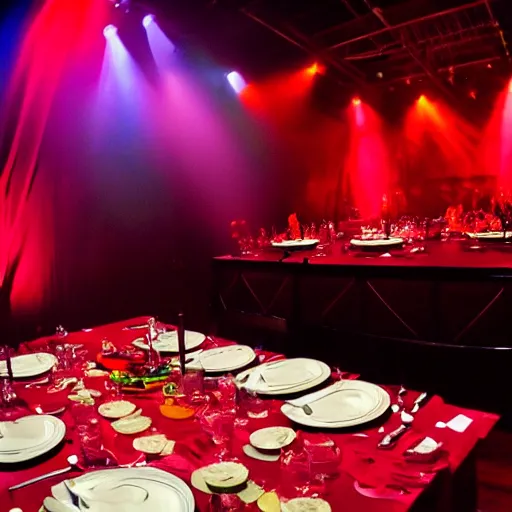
151,337
11,406
219,424
192,386
226,503
324,456
90,438
252,405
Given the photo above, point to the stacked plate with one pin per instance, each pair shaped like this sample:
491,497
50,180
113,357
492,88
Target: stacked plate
29,365
377,244
491,235
127,490
168,341
295,245
226,359
285,377
344,404
29,437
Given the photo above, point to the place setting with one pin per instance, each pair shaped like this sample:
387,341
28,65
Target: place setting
283,377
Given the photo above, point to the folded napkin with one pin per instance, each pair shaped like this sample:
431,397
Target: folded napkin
290,373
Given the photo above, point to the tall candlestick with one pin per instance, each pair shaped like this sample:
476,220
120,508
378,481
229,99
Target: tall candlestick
181,342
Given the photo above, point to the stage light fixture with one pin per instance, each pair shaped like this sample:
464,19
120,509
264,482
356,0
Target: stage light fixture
422,100
356,101
408,81
147,20
472,95
380,74
510,86
489,65
236,81
109,31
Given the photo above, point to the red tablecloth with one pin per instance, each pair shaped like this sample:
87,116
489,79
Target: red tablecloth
360,459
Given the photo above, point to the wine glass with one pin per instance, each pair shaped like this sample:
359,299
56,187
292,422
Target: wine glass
219,424
11,407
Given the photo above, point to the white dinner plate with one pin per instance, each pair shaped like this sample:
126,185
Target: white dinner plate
225,359
354,403
296,244
127,490
29,437
168,341
490,235
29,365
286,376
379,242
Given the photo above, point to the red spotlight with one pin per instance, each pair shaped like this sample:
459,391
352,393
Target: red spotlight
356,102
510,86
472,95
489,65
313,69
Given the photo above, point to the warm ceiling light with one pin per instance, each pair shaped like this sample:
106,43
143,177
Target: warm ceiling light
313,69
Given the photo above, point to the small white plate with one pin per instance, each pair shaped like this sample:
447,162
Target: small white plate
272,438
116,409
168,341
29,437
29,365
225,359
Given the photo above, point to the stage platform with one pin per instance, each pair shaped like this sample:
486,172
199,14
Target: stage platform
417,314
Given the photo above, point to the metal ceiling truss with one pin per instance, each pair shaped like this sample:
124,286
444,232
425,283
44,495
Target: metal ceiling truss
405,40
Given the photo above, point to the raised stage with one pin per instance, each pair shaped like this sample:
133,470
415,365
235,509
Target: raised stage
446,311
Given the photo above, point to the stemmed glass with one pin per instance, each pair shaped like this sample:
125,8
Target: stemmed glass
151,337
11,407
219,424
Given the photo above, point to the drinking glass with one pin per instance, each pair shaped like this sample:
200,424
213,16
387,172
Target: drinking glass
226,503
11,407
192,386
251,404
324,456
219,424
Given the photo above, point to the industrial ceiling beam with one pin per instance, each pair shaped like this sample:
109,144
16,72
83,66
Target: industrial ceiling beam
396,26
353,74
498,28
425,66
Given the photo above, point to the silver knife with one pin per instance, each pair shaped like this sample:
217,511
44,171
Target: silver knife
420,401
40,477
389,440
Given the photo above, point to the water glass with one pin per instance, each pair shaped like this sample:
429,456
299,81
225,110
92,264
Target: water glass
192,386
226,503
219,424
324,456
252,405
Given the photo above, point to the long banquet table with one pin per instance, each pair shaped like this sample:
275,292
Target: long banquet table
450,488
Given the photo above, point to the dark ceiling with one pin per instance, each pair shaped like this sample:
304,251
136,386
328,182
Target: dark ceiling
361,42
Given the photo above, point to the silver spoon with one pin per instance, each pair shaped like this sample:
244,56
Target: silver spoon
72,461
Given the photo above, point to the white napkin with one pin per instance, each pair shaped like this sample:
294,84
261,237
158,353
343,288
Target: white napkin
317,395
290,373
230,356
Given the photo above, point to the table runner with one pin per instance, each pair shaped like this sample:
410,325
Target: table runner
360,458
